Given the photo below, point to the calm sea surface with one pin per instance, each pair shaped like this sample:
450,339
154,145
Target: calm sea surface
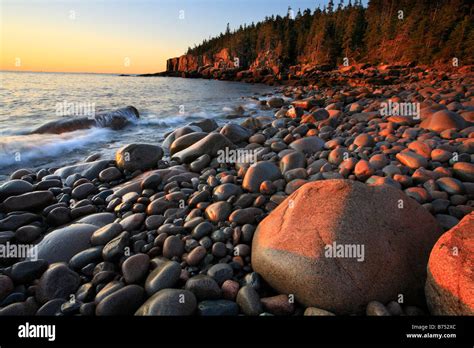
29,100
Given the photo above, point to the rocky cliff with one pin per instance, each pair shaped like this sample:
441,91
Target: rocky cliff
283,48
225,65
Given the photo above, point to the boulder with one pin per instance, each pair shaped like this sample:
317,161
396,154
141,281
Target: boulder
63,243
186,141
450,283
89,170
411,160
29,201
258,173
235,133
308,145
275,102
179,132
443,120
292,160
59,281
14,187
209,145
138,157
207,124
329,241
169,302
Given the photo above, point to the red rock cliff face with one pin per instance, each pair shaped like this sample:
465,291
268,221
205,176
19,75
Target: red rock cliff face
190,63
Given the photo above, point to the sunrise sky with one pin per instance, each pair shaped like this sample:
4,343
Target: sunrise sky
118,36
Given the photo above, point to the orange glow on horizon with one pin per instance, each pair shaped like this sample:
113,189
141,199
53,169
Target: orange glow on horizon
45,47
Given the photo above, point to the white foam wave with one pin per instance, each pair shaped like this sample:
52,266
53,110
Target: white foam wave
172,121
27,148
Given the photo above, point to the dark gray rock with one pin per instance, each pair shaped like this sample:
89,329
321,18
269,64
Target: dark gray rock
62,244
162,277
59,281
124,301
218,308
249,301
203,287
169,302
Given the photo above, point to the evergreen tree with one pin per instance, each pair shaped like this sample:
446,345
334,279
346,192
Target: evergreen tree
387,30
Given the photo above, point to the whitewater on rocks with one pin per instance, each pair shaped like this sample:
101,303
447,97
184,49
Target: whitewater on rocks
183,227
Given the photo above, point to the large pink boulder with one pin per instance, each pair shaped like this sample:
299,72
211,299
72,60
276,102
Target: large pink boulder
450,283
385,236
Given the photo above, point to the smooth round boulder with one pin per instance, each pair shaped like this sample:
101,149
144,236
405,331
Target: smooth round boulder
443,120
225,191
62,244
291,161
204,287
29,201
308,145
328,241
83,190
364,140
58,281
245,216
249,301
211,145
185,141
14,187
235,133
169,302
412,160
89,170
221,272
110,174
177,133
164,276
449,286
135,268
106,233
206,124
28,233
275,102
218,211
464,171
134,157
24,272
258,173
124,301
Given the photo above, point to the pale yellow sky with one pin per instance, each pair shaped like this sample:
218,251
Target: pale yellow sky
49,49
99,35
58,39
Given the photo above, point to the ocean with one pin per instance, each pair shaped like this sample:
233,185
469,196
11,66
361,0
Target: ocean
29,100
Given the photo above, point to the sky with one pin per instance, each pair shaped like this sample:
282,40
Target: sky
118,36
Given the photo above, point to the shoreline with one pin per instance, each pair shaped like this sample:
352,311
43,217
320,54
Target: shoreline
156,117
310,74
132,233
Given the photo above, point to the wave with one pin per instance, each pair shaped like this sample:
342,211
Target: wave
171,121
28,148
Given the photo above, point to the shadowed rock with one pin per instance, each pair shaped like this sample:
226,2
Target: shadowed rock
209,145
116,119
138,156
89,170
62,244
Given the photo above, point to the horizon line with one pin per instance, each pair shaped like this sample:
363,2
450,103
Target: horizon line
72,72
